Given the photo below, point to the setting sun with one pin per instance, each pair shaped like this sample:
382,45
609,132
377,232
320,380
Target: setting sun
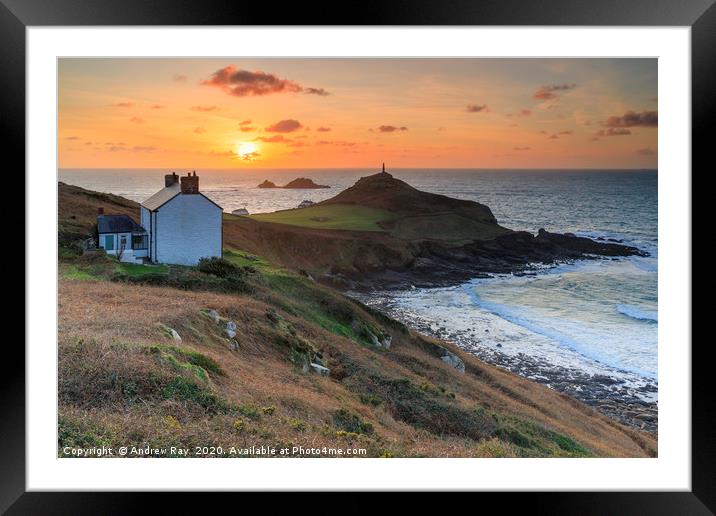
246,150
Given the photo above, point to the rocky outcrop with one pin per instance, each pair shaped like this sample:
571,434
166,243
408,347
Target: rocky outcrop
300,183
242,211
304,183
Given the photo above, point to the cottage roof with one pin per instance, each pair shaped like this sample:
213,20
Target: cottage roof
162,197
117,224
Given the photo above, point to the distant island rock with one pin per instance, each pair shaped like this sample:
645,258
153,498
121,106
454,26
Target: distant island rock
240,211
298,183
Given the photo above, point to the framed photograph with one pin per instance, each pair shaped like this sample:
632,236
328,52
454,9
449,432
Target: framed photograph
421,248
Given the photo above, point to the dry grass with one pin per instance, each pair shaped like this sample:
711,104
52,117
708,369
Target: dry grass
107,328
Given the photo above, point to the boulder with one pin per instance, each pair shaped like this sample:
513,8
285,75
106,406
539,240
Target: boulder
213,315
323,371
231,329
240,211
306,203
174,334
454,361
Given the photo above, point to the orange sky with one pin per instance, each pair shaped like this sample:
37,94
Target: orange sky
304,113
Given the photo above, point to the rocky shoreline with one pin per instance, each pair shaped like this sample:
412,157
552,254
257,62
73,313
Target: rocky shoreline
436,265
624,401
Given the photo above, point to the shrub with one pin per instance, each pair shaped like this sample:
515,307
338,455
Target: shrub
348,422
249,411
181,388
218,267
297,424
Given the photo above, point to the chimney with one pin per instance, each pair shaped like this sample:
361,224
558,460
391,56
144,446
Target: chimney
171,179
190,184
100,211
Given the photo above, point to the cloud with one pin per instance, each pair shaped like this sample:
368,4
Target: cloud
157,106
553,137
245,122
441,129
136,120
120,147
338,143
199,130
250,156
613,131
391,128
205,109
646,152
632,119
179,78
284,126
474,108
323,129
73,138
222,153
521,148
123,104
316,91
244,83
279,138
549,92
566,133
525,112
246,129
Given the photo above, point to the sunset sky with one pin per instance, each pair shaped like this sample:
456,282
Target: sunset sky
355,113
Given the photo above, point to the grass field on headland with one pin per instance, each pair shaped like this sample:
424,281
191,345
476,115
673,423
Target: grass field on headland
332,216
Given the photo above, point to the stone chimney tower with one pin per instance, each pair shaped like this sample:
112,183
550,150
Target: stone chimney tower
171,179
190,184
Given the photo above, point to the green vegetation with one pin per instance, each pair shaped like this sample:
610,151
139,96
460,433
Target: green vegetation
218,267
185,389
188,357
452,227
348,422
138,270
332,216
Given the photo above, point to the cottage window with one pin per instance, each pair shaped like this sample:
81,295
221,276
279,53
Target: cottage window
139,242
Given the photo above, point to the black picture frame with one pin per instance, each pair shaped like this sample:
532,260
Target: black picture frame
17,15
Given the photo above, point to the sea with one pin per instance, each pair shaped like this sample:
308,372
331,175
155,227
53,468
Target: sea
599,317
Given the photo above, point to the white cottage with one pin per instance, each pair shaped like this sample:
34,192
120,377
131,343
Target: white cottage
178,225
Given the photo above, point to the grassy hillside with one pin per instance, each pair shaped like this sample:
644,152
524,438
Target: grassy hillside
336,216
125,379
